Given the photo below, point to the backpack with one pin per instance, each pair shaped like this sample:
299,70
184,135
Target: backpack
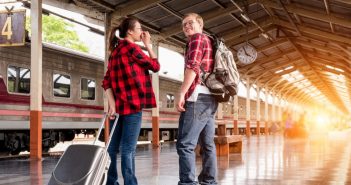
223,81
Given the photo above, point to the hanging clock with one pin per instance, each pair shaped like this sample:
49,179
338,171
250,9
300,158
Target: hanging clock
247,54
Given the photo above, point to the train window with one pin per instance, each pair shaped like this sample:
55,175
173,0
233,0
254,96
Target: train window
87,89
62,85
170,101
18,79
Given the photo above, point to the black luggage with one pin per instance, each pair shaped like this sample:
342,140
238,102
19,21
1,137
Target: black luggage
83,164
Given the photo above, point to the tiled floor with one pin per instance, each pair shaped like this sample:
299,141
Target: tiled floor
319,159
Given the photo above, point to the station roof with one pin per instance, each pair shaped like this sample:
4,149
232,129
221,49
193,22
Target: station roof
304,47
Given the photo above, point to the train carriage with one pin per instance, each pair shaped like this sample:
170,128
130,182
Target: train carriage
73,98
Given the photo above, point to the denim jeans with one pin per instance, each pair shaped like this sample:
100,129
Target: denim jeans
124,139
197,125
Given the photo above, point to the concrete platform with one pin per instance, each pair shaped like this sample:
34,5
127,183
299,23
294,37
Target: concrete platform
319,159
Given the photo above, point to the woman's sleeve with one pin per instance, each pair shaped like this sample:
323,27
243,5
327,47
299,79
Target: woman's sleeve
145,61
106,83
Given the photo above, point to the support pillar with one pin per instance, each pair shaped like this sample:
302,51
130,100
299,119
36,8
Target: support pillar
156,111
36,81
248,117
266,121
279,116
107,32
258,111
236,115
273,109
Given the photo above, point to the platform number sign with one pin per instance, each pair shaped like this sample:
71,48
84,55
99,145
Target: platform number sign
12,28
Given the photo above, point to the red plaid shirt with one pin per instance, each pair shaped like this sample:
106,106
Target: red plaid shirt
128,76
199,53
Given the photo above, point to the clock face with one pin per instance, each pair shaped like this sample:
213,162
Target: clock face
247,54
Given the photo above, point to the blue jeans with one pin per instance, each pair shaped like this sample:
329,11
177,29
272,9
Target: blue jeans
124,139
197,125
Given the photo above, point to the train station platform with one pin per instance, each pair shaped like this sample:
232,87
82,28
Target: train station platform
322,158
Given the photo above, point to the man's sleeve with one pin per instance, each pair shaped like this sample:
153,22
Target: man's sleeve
195,53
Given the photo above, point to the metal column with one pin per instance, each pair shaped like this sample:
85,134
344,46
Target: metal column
156,111
107,32
236,115
248,117
36,81
266,119
258,111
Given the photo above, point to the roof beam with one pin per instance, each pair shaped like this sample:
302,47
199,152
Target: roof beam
289,17
236,18
281,87
273,78
343,48
329,90
317,38
325,69
275,75
266,60
348,2
242,38
331,62
207,16
218,3
98,3
272,45
92,16
170,10
258,76
273,69
230,34
314,14
323,48
324,34
327,8
243,12
133,7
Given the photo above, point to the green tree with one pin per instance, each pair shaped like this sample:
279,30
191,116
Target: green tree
58,31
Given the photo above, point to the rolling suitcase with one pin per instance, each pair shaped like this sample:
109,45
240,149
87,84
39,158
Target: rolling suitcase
83,164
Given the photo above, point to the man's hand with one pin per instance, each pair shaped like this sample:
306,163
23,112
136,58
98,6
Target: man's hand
180,104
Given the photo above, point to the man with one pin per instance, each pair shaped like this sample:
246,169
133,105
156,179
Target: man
197,107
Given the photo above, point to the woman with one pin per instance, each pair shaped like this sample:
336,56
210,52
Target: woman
127,84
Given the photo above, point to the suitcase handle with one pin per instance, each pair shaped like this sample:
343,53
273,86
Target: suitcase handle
102,125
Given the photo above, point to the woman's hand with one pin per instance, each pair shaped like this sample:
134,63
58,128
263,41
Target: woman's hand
111,111
146,38
111,103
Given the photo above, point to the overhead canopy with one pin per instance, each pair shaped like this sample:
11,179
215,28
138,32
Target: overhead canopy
304,50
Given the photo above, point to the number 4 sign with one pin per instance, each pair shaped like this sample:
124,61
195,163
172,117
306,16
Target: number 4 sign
12,28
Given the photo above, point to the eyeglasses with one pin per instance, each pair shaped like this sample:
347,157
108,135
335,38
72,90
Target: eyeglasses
189,22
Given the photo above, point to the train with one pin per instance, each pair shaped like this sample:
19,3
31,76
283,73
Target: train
72,99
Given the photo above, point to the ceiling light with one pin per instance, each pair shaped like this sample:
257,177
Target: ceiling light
287,68
265,35
245,17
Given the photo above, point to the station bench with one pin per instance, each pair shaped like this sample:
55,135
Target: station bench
225,144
